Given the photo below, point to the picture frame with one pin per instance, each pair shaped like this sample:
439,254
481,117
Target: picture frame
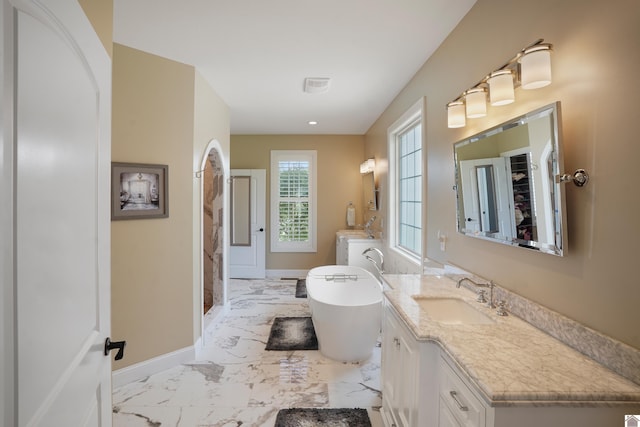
139,191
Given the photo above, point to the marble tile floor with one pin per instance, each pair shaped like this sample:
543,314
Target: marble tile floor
236,382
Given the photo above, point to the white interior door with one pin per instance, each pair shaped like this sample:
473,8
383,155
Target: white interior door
60,117
472,191
247,261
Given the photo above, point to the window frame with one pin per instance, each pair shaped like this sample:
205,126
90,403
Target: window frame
414,115
278,156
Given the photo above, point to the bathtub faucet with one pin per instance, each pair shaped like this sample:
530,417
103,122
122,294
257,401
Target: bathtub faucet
380,267
367,227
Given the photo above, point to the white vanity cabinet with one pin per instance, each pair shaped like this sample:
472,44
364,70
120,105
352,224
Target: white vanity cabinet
458,405
349,247
409,387
422,386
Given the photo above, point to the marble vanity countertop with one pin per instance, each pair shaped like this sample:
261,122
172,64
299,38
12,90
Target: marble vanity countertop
511,362
354,234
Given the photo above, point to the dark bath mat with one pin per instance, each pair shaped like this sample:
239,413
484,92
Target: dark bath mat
299,417
301,288
292,333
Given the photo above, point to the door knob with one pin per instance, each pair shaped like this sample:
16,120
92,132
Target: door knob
261,229
112,345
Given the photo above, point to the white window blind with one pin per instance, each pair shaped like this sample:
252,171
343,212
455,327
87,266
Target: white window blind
293,195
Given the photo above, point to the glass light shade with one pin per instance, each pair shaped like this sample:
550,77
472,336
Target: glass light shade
501,87
455,114
476,101
535,67
367,166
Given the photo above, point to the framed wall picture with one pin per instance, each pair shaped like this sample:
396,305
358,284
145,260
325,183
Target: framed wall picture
139,191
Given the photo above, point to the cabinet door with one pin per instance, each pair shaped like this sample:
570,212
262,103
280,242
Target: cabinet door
390,363
407,390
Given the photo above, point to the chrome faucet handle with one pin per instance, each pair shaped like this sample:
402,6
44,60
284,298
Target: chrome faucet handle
502,311
481,296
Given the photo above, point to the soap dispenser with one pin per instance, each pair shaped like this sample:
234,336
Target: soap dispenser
351,215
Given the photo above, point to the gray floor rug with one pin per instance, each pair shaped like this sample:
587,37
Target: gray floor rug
301,288
292,333
303,417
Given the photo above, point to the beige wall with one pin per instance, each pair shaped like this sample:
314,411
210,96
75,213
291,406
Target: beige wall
100,13
339,182
159,112
211,131
595,63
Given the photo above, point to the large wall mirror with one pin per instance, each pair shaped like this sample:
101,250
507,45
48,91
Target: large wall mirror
369,189
507,190
240,211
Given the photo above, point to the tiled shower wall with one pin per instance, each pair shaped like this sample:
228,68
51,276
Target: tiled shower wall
212,231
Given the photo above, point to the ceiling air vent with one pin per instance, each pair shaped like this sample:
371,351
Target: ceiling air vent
316,84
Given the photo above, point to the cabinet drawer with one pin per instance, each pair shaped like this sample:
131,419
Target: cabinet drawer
463,404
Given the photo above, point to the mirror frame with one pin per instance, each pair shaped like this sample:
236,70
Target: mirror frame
557,196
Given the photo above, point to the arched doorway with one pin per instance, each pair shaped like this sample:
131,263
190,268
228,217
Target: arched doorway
213,232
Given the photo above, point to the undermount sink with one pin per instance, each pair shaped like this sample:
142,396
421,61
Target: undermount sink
451,311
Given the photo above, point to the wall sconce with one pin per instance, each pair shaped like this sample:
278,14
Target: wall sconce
367,166
529,68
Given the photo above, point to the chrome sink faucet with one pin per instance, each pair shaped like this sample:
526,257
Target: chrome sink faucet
489,285
367,227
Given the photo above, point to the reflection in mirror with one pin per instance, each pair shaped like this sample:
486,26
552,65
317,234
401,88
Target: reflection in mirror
240,211
369,188
506,182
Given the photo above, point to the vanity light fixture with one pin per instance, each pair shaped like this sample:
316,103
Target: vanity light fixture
529,68
367,166
312,122
476,102
535,66
455,114
501,90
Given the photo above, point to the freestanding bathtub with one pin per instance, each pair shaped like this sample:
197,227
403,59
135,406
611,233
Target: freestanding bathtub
346,309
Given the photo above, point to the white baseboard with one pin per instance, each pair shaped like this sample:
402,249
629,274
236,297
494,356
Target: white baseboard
152,366
278,274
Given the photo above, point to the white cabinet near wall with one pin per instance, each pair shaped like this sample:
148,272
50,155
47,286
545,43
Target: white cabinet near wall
349,247
423,386
409,387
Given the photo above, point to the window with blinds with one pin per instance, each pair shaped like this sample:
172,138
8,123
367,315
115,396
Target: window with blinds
293,201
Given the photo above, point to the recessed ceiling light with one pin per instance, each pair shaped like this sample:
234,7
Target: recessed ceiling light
312,122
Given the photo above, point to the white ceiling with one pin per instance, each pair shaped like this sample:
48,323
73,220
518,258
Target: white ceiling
256,53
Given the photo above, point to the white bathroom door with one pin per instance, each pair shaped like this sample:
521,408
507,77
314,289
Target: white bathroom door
249,261
57,125
471,195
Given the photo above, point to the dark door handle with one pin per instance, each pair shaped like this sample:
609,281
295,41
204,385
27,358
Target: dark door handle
112,345
261,229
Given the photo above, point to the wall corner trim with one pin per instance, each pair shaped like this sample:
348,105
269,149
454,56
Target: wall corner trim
152,366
